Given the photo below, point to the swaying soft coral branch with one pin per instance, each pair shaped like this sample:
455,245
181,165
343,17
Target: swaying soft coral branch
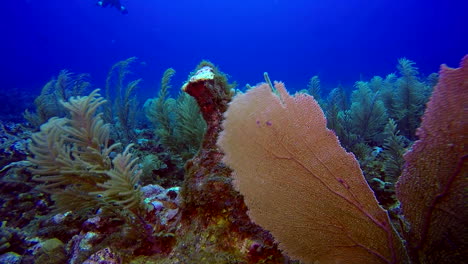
122,187
71,156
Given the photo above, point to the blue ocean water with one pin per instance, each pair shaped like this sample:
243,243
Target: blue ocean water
342,41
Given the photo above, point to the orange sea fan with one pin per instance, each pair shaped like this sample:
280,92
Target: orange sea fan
300,184
433,186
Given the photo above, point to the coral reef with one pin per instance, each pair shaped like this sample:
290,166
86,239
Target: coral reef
14,139
283,170
361,125
72,159
95,186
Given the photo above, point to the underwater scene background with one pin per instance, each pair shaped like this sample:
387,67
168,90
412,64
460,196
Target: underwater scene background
146,131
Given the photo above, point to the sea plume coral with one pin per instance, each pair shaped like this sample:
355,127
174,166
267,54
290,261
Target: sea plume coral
408,98
123,187
179,124
300,184
367,113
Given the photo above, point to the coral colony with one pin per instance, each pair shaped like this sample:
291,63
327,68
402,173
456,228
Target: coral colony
221,175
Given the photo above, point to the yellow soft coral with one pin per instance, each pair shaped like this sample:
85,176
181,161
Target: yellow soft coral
72,157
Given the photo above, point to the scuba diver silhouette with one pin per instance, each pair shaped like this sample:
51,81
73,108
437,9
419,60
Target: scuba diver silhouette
113,3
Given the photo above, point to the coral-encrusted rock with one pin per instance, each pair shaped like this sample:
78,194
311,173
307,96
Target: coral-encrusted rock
212,92
10,258
215,227
50,251
104,256
165,203
93,223
14,140
82,245
152,190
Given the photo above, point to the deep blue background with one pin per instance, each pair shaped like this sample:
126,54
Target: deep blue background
340,40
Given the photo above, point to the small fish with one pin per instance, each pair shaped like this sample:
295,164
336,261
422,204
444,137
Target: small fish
376,151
